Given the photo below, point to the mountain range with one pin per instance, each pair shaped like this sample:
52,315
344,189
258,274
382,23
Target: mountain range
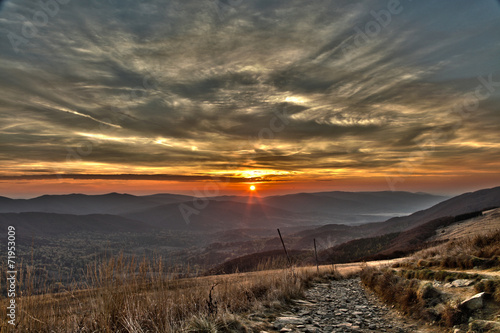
222,228
394,237
228,212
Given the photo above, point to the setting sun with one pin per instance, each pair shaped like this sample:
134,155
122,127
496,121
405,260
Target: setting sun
252,188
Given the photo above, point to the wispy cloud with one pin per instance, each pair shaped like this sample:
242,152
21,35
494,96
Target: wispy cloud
178,87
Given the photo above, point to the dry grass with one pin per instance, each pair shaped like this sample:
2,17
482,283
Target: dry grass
395,290
490,286
404,289
128,296
441,275
420,301
484,224
481,251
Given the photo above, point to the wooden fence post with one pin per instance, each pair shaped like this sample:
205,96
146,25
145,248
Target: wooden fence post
316,255
284,248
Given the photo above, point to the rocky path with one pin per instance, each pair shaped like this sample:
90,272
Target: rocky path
341,306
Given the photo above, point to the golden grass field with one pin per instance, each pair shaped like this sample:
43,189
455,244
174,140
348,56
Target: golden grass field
126,296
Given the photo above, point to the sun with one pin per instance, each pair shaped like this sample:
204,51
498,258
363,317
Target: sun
252,188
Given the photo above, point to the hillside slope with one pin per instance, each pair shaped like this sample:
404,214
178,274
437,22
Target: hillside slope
465,203
390,239
487,223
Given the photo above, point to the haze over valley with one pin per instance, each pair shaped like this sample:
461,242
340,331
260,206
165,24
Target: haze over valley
64,233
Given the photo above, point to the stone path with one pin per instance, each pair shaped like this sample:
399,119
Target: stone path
341,306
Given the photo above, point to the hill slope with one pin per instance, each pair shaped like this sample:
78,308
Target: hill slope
397,236
468,202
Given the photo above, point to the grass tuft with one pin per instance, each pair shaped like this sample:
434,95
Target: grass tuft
410,296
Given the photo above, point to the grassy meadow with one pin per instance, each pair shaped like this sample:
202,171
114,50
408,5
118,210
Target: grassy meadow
121,295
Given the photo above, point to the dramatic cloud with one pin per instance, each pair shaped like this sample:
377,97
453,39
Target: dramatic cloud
313,90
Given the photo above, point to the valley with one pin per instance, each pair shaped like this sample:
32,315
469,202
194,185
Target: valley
114,256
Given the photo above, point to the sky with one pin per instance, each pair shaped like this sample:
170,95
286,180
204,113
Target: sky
210,96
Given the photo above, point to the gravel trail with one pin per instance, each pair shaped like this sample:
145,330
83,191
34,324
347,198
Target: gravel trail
341,306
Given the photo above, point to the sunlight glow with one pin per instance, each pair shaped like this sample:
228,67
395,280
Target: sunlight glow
295,99
259,173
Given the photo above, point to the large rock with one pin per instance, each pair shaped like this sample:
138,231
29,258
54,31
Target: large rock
430,295
484,326
476,302
282,322
462,283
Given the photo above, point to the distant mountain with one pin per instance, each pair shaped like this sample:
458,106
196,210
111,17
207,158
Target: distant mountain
219,215
50,224
343,207
403,234
81,204
346,203
462,204
396,236
225,212
164,198
227,227
333,234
